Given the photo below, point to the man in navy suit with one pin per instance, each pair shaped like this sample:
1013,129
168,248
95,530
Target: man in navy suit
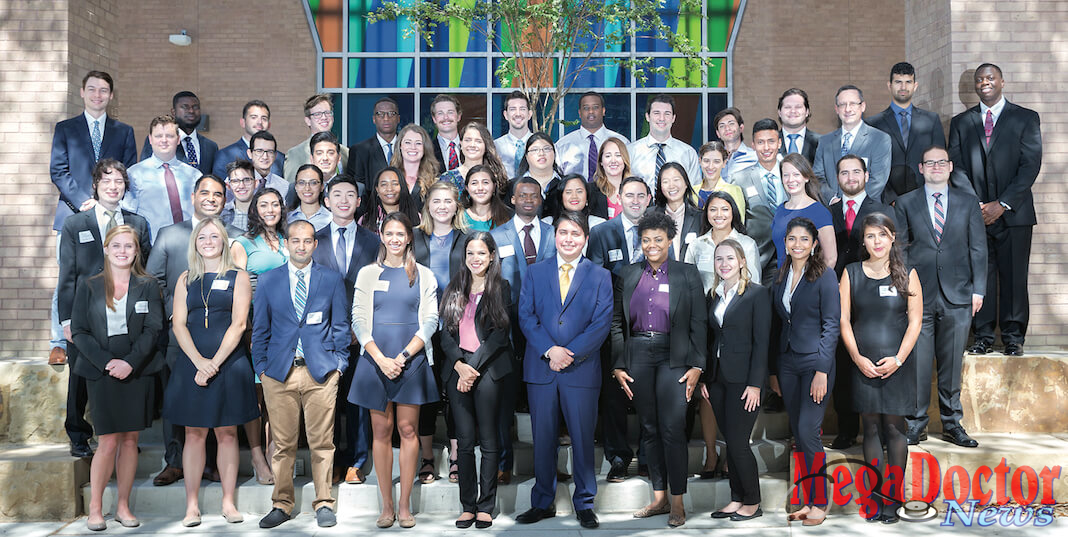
78,143
255,117
911,130
300,345
346,249
795,136
194,148
998,147
523,241
561,363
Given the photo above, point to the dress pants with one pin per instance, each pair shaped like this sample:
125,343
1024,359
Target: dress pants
56,330
475,414
511,386
796,371
736,424
1005,304
428,413
613,414
848,419
661,402
174,435
357,421
547,403
943,335
78,429
284,401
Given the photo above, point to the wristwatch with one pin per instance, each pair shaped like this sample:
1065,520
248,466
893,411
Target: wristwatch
406,354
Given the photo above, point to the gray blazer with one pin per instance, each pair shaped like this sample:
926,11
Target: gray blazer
871,144
759,212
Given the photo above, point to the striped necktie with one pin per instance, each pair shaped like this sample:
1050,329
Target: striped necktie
300,298
939,217
660,160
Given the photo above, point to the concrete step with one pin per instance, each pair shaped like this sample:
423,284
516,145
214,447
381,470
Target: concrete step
769,426
40,482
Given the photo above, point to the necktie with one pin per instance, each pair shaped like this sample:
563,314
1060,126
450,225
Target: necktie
771,188
389,152
591,158
529,252
454,162
565,280
793,143
904,126
635,246
172,194
300,298
988,126
339,252
939,216
660,161
518,156
851,215
111,221
191,152
98,139
845,143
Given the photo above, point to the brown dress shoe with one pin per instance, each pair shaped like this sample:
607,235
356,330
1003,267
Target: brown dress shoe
354,476
504,478
58,356
169,475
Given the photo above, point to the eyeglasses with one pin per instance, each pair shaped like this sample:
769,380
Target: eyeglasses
320,115
386,113
851,104
241,181
262,152
308,184
541,150
935,163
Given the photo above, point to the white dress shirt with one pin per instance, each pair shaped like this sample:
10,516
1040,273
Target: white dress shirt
535,233
643,159
852,137
859,199
573,149
629,228
182,136
293,280
725,295
788,293
799,141
929,194
996,110
444,145
350,239
384,145
506,146
102,219
117,319
148,195
104,119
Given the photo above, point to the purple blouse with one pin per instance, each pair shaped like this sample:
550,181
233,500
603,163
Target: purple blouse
649,305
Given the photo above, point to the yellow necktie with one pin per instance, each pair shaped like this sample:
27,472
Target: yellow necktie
565,280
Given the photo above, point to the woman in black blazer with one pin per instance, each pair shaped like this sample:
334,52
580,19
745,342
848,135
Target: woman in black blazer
806,300
477,350
117,318
438,244
659,345
738,365
675,197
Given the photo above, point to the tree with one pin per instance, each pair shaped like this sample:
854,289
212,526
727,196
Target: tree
547,44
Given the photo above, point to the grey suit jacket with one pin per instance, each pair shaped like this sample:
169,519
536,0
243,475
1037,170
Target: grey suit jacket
871,144
759,212
300,155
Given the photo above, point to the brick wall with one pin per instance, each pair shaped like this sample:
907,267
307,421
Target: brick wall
816,45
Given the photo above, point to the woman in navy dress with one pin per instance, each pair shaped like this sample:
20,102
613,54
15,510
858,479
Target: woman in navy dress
394,314
211,385
803,201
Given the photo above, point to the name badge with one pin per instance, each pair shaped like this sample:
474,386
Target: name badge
220,285
704,258
315,317
887,290
85,236
141,306
382,285
690,237
664,288
751,191
615,255
506,250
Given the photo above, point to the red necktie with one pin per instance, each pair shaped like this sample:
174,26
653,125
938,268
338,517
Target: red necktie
851,215
172,193
529,253
988,126
453,161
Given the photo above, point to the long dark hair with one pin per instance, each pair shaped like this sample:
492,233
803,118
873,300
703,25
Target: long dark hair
524,166
405,205
899,275
812,183
256,225
660,200
558,194
494,308
736,219
499,212
815,265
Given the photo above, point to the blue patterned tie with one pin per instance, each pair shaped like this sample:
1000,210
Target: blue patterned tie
191,152
300,298
389,152
636,255
518,156
845,144
793,143
772,189
98,139
660,160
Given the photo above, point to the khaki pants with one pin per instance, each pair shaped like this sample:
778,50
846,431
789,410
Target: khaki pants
284,402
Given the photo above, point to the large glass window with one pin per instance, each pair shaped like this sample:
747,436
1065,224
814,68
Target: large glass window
360,62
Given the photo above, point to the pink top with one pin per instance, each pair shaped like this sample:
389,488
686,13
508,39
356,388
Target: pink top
614,209
468,336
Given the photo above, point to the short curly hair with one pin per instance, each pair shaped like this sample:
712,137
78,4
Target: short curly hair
653,220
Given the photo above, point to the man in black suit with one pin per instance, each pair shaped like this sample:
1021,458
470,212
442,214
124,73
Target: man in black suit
255,117
943,230
998,146
911,130
194,148
795,135
847,214
614,245
370,156
345,247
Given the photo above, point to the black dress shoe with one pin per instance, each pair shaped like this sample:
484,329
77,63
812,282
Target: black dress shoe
274,518
535,514
721,514
81,450
1013,349
844,442
979,347
618,473
643,470
736,517
958,436
889,518
587,519
464,524
483,524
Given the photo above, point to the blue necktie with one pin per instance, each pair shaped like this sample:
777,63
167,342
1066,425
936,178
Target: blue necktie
793,143
518,156
389,152
591,158
340,251
636,255
845,144
98,139
300,298
771,188
904,127
191,152
660,160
